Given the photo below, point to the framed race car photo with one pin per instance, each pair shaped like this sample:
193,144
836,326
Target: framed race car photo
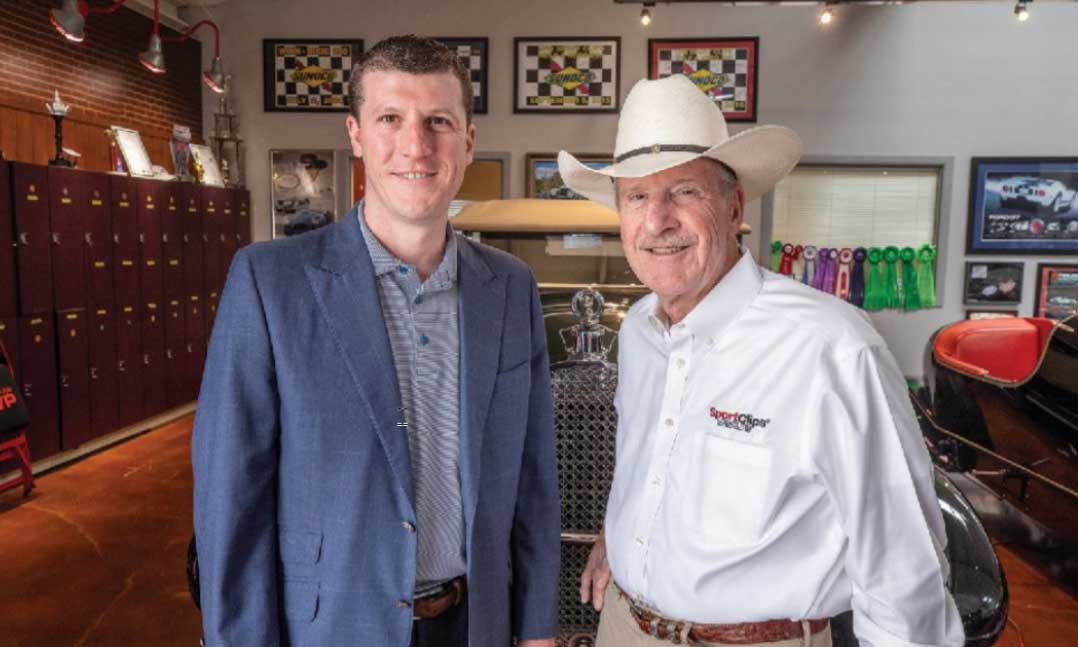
304,190
308,75
999,283
1023,205
1057,291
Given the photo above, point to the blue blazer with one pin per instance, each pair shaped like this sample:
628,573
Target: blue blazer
303,489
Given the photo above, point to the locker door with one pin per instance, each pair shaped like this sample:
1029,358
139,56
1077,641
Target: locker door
129,364
74,350
37,374
9,336
153,360
67,211
123,198
229,242
104,408
8,307
210,312
99,241
172,242
211,249
33,256
175,354
194,319
150,208
191,208
242,204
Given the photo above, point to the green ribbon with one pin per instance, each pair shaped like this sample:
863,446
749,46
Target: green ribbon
874,296
911,300
890,278
776,255
926,275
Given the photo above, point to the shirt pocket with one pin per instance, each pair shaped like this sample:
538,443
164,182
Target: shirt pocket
725,488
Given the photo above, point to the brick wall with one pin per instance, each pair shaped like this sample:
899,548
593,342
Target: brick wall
101,78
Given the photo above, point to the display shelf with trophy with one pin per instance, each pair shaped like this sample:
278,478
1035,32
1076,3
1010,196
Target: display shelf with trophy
227,146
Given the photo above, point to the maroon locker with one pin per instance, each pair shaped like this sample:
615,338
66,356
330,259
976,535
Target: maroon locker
104,409
30,199
212,216
229,242
191,207
172,241
194,320
9,336
74,351
123,198
37,374
99,243
209,312
8,307
175,354
67,215
153,360
129,364
241,202
150,209
196,361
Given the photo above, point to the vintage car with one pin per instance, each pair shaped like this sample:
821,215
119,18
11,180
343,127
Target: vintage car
1001,400
1036,193
586,287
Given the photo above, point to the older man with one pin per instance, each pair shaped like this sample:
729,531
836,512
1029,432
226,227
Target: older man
374,448
770,472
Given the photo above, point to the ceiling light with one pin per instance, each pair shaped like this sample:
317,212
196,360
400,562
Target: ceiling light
153,59
827,16
214,78
645,14
70,18
1021,12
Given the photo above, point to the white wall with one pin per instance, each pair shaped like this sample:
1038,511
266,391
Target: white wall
950,79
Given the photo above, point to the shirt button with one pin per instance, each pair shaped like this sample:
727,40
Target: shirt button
657,482
403,269
410,527
403,604
419,298
710,341
640,540
681,362
424,340
669,422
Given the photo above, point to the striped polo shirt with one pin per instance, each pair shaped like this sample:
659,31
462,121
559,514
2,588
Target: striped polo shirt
422,323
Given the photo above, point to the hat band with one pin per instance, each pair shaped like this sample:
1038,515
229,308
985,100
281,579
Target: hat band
662,148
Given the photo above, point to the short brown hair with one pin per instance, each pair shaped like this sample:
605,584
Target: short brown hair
414,55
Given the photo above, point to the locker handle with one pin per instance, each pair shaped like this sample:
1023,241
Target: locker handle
55,238
186,238
93,373
64,382
164,238
121,366
146,359
142,238
90,239
24,238
116,238
168,353
27,390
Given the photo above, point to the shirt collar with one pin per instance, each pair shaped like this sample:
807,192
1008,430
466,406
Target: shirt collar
385,262
721,305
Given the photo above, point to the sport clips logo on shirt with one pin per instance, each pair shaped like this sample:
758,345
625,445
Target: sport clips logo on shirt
745,422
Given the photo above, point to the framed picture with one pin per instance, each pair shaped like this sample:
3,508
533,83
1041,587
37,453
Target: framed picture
993,283
1023,205
473,54
567,74
1057,291
975,315
308,75
205,159
303,190
725,69
134,152
543,180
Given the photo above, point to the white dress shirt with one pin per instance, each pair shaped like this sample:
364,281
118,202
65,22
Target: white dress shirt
769,466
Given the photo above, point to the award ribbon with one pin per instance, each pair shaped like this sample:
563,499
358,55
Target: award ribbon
821,268
911,300
857,280
842,285
874,297
832,271
786,264
890,278
926,275
808,272
776,254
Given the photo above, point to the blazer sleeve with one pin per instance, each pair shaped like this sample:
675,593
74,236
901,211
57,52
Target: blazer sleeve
234,455
536,535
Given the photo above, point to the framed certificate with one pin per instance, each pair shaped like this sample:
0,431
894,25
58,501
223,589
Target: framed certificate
204,158
134,152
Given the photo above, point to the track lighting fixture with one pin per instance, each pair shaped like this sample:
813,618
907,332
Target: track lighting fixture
70,18
214,78
1021,11
645,14
827,16
153,59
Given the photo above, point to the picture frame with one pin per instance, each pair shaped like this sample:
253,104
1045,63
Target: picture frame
543,181
976,315
567,74
135,157
308,74
993,282
725,69
303,190
1023,205
1057,290
474,54
211,173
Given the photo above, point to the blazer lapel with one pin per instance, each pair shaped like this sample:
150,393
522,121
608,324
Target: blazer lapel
482,305
343,283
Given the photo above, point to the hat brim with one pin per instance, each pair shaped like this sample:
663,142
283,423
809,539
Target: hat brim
760,157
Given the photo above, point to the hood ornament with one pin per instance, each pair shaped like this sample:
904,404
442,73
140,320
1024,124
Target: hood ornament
588,339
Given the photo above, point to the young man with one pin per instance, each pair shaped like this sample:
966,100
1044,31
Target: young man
770,472
374,449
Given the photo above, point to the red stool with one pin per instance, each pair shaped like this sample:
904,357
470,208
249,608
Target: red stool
15,448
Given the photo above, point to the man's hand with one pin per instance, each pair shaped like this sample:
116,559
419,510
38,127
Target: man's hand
596,575
541,642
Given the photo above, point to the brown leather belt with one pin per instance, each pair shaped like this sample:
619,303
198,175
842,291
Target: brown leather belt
437,602
742,633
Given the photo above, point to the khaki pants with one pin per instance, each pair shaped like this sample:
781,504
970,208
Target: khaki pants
618,628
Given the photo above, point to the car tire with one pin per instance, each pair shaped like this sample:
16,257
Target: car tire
1054,207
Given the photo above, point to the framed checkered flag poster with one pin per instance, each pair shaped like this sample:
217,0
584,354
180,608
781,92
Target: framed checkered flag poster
567,74
725,69
308,75
473,53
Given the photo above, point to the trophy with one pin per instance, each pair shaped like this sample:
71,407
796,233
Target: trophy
58,109
180,146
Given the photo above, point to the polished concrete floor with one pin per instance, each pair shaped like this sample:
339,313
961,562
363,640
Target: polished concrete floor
95,557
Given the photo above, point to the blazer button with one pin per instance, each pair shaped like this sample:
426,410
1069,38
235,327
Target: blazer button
403,604
410,527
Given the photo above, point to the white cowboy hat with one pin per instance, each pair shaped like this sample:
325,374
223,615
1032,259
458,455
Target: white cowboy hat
668,122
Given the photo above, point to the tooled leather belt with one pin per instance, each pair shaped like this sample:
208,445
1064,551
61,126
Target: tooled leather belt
437,602
742,633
